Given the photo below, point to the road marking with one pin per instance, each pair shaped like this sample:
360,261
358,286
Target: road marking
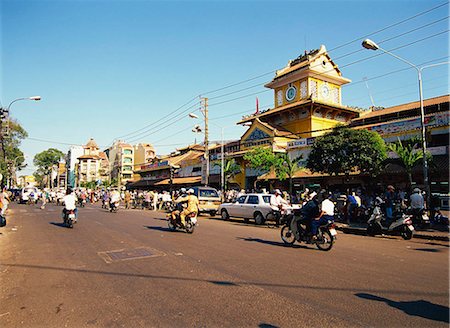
130,254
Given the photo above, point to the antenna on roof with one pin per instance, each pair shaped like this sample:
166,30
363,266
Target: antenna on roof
370,94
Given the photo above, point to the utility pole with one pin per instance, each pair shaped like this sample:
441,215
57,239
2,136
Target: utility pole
205,114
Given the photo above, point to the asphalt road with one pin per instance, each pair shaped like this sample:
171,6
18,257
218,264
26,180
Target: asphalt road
127,269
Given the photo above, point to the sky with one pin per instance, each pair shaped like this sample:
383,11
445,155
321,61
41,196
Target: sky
133,70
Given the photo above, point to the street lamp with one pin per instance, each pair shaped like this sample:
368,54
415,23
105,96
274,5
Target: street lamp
13,169
371,45
35,98
204,111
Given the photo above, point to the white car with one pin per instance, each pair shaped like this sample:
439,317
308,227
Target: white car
250,206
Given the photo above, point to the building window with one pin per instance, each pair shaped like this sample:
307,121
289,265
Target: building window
196,169
127,168
127,160
127,151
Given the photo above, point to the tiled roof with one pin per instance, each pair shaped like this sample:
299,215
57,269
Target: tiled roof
404,107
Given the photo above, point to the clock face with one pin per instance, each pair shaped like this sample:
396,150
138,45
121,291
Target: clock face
325,91
291,92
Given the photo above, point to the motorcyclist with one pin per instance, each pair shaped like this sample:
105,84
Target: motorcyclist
309,211
326,213
417,204
114,199
69,201
278,205
192,205
179,206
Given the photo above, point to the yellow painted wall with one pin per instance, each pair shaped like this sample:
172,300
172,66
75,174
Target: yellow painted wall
319,123
303,125
331,87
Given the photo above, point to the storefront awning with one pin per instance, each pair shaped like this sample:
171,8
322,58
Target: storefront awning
180,181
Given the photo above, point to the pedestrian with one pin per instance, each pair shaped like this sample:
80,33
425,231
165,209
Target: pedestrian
389,199
127,199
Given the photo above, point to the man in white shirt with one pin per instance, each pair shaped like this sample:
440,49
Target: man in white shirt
417,201
326,213
70,201
278,203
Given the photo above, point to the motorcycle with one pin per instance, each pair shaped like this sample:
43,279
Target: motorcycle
402,225
191,222
326,235
420,217
113,207
69,218
82,202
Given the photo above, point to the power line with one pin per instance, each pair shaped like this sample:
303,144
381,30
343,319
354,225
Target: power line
159,120
335,48
390,26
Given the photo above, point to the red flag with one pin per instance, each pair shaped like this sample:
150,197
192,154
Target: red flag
257,106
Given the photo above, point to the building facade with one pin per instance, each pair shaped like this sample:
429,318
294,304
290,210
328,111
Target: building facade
121,159
93,165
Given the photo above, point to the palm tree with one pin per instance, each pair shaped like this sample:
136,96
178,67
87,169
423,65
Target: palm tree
408,154
230,169
286,168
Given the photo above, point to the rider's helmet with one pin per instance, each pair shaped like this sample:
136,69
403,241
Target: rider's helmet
190,191
277,192
183,190
416,191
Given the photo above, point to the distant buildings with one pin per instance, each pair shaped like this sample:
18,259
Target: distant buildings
93,165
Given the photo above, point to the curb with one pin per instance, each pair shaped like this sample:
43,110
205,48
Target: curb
418,235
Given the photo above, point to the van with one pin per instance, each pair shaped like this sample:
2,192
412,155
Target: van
208,199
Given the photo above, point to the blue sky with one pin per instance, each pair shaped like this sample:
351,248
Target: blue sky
105,69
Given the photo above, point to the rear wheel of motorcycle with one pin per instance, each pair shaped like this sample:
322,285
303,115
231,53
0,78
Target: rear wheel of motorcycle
287,235
171,225
189,227
406,233
325,241
370,231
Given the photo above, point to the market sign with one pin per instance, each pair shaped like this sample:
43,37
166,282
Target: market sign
154,165
300,143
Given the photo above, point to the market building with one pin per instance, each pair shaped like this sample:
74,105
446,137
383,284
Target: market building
307,103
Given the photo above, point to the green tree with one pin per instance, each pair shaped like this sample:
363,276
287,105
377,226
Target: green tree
230,169
345,150
45,161
409,154
12,157
280,163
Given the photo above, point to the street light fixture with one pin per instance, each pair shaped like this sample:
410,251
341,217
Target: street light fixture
371,45
204,111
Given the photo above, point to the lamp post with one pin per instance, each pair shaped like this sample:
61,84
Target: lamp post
13,170
204,111
371,45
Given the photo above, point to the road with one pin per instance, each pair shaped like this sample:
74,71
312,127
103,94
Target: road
127,269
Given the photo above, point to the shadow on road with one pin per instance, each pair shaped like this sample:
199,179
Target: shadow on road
329,288
58,224
429,250
266,325
273,243
419,308
166,229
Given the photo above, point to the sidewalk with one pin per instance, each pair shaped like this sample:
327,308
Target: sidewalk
360,229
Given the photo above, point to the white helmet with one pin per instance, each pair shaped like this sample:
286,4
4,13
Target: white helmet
190,191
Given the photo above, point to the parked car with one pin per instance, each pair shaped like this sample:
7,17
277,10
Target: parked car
208,198
250,206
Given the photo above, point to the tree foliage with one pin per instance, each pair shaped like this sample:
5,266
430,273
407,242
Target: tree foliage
345,150
230,169
46,159
280,163
12,156
409,154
